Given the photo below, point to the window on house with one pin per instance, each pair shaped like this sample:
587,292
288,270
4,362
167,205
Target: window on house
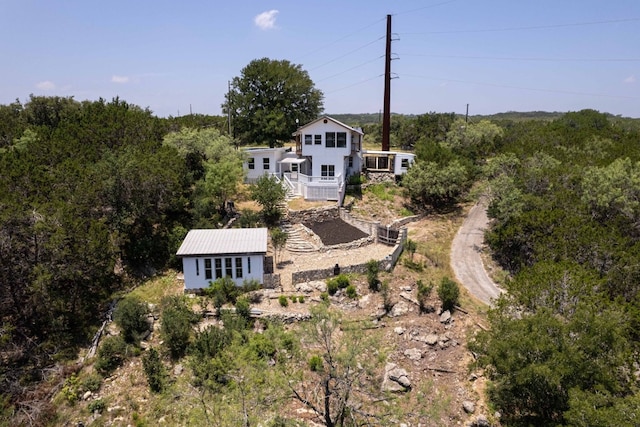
218,268
207,269
327,171
197,267
251,162
404,163
371,163
383,163
350,161
248,265
265,163
341,139
294,167
238,268
317,139
307,139
330,139
228,268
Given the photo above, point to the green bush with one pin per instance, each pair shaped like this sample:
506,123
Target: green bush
154,370
341,281
283,301
111,354
96,406
373,268
71,389
352,292
294,299
243,309
315,363
386,297
448,292
324,296
262,346
131,316
176,326
92,383
301,299
424,291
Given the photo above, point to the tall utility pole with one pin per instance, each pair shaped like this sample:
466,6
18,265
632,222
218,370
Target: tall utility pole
386,115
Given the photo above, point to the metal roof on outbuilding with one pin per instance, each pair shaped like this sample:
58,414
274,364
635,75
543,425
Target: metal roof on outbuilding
224,241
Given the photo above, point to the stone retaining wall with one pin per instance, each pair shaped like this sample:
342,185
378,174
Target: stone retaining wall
321,274
326,213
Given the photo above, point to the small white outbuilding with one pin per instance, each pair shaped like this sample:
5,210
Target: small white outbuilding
210,254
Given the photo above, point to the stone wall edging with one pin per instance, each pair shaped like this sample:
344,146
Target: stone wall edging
324,273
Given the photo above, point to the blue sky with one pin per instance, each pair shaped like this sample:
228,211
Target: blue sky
173,57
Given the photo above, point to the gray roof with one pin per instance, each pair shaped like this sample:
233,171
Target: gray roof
224,241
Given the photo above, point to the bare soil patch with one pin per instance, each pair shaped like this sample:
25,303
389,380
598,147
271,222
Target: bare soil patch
336,231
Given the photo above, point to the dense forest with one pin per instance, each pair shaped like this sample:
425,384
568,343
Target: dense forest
97,194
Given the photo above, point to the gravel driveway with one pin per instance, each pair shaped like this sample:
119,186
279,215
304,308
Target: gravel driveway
465,256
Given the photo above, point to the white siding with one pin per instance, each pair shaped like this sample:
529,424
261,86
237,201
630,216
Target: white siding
258,155
195,275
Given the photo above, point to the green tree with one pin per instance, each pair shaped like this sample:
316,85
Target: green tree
448,292
131,316
154,370
268,101
279,241
176,330
269,193
436,185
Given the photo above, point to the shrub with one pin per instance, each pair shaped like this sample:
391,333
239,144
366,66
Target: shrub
71,389
294,299
301,299
386,298
96,406
341,281
111,354
352,292
243,309
373,269
413,265
315,363
92,383
131,316
176,326
424,291
324,296
448,292
154,370
262,346
283,301
410,246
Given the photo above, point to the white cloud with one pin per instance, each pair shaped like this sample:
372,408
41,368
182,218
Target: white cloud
630,79
46,85
266,20
119,79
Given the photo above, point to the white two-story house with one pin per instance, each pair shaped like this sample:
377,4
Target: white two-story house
327,152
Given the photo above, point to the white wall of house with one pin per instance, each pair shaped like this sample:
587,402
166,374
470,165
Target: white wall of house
402,163
329,145
198,275
262,160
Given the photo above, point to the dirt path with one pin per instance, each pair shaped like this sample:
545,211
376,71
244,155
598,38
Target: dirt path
465,256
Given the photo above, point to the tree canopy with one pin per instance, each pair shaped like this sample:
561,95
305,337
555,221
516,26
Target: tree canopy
269,100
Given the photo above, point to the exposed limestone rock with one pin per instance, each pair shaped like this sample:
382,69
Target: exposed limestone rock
445,317
395,379
413,353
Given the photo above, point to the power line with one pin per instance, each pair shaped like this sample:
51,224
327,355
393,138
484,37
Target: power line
355,84
507,58
347,54
342,38
536,27
566,92
350,69
426,7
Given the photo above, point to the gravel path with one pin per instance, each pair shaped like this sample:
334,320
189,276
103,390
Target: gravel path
465,256
292,261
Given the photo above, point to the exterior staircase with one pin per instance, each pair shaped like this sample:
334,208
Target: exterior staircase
298,239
